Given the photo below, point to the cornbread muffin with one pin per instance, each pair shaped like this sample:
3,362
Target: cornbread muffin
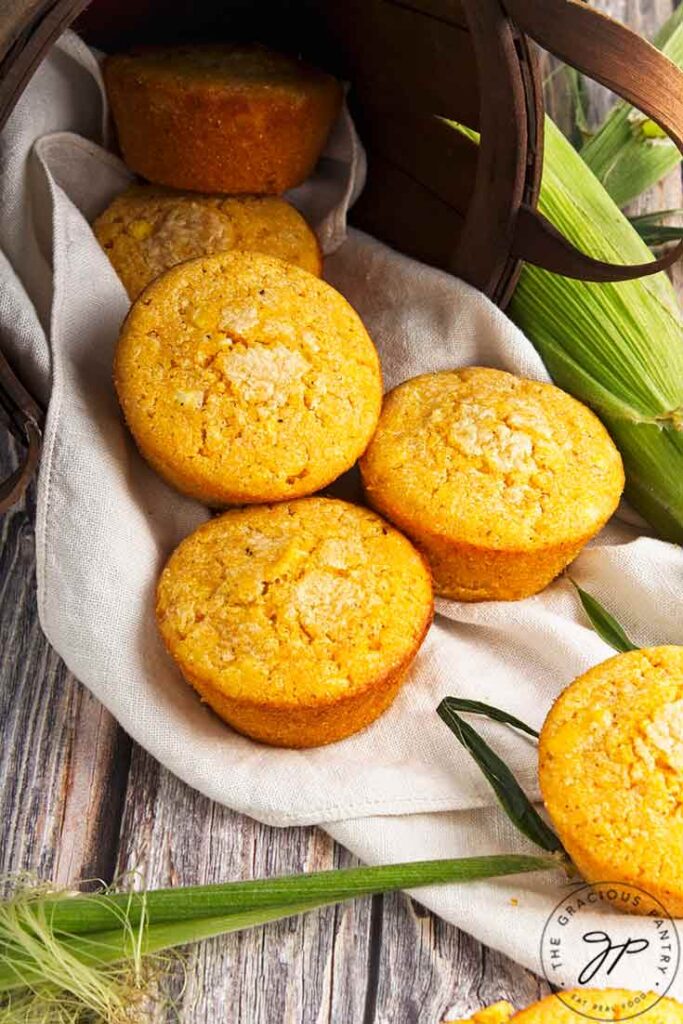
611,773
500,481
220,117
246,379
596,1004
499,1013
296,622
147,230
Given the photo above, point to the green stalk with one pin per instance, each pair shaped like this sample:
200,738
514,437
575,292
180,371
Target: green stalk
64,948
629,153
96,913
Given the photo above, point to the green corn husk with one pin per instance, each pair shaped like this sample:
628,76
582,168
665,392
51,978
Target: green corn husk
616,347
72,958
654,228
629,153
604,623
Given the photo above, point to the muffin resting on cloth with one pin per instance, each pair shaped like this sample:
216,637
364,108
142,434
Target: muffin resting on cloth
296,622
499,480
147,230
619,1004
244,379
220,117
611,773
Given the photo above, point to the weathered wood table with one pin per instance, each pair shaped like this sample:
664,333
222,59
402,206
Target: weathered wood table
80,800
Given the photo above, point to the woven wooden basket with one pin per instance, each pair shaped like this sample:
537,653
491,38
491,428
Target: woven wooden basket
411,63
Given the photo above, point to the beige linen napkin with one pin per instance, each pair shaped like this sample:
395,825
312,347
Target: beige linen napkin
403,788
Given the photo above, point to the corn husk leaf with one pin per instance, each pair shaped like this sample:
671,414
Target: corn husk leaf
654,229
629,153
477,707
616,347
604,624
508,791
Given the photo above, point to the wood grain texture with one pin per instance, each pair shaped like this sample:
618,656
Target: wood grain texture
62,755
76,803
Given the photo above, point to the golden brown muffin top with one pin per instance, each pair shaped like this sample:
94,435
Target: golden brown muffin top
294,603
247,377
611,767
486,458
148,229
219,64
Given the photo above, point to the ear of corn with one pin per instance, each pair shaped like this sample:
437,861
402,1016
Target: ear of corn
617,347
629,153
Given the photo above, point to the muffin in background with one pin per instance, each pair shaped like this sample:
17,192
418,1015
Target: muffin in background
500,481
295,622
245,379
220,117
147,230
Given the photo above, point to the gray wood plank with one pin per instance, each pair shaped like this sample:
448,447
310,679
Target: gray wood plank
429,971
378,960
311,969
62,755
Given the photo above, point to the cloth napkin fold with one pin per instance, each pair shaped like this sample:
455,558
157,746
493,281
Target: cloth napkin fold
403,788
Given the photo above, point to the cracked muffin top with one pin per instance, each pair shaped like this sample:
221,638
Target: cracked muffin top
244,379
147,230
485,458
611,772
299,603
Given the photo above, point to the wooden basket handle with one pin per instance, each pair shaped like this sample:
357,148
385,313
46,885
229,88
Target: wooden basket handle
618,58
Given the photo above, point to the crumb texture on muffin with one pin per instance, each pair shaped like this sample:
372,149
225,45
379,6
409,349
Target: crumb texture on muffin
230,118
296,622
147,230
499,479
245,379
611,772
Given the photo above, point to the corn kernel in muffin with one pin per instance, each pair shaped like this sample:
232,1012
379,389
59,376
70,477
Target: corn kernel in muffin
220,117
148,230
499,480
611,772
246,379
296,622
